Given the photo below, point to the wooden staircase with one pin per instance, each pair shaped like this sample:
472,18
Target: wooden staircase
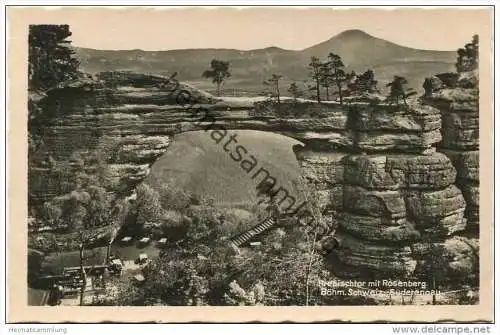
245,237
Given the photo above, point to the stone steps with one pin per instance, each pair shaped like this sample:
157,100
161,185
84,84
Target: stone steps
249,234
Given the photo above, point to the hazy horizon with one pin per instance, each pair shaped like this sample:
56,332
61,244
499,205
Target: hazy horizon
265,47
258,28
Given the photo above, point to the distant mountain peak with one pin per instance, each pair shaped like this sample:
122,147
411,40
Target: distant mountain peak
271,49
353,33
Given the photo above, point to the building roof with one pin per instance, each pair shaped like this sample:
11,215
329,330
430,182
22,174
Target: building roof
56,262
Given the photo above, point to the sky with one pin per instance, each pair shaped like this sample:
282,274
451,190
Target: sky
254,28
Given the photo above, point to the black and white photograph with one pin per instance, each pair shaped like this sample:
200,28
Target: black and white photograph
254,157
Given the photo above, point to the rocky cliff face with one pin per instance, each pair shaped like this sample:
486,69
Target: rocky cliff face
391,177
397,204
458,102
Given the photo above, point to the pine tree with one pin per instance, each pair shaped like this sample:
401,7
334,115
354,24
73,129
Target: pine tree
365,83
274,84
51,60
315,73
327,79
399,90
467,57
336,66
218,72
294,91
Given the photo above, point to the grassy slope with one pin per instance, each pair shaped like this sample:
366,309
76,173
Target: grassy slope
196,163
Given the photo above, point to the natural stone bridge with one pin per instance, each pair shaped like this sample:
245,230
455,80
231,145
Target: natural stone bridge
390,177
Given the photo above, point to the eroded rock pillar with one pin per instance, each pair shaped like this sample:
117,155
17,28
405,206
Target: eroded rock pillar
388,188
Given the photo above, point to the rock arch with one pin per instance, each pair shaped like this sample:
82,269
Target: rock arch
354,151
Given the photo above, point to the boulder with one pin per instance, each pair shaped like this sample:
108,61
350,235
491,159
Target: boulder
424,204
448,79
374,258
433,171
383,117
389,203
368,171
141,149
440,211
432,84
464,254
378,229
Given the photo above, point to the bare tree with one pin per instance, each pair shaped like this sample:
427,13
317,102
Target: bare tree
313,230
85,239
83,274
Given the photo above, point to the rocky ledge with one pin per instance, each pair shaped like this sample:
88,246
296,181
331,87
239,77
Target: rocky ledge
388,174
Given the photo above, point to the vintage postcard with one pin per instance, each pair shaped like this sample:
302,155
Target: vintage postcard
265,164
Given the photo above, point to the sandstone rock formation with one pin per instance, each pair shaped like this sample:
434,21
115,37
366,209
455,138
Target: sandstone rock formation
458,103
375,166
440,190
